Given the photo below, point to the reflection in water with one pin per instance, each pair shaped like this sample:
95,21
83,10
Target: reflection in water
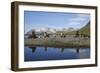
45,48
62,50
77,50
33,49
84,53
50,53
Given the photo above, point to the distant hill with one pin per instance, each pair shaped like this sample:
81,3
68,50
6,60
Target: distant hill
82,31
85,30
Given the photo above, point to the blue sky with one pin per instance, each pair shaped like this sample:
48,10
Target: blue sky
57,20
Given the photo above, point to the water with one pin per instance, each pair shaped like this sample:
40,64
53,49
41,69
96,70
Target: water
50,53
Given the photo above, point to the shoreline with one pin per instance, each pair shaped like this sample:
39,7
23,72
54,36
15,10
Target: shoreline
62,42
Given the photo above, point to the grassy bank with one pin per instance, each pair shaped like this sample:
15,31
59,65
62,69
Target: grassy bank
58,42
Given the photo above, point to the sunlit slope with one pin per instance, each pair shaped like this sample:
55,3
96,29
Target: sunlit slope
85,30
82,31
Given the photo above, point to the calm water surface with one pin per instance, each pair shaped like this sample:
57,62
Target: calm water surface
50,53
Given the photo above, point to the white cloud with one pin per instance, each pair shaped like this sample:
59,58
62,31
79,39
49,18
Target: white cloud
83,15
73,23
79,18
